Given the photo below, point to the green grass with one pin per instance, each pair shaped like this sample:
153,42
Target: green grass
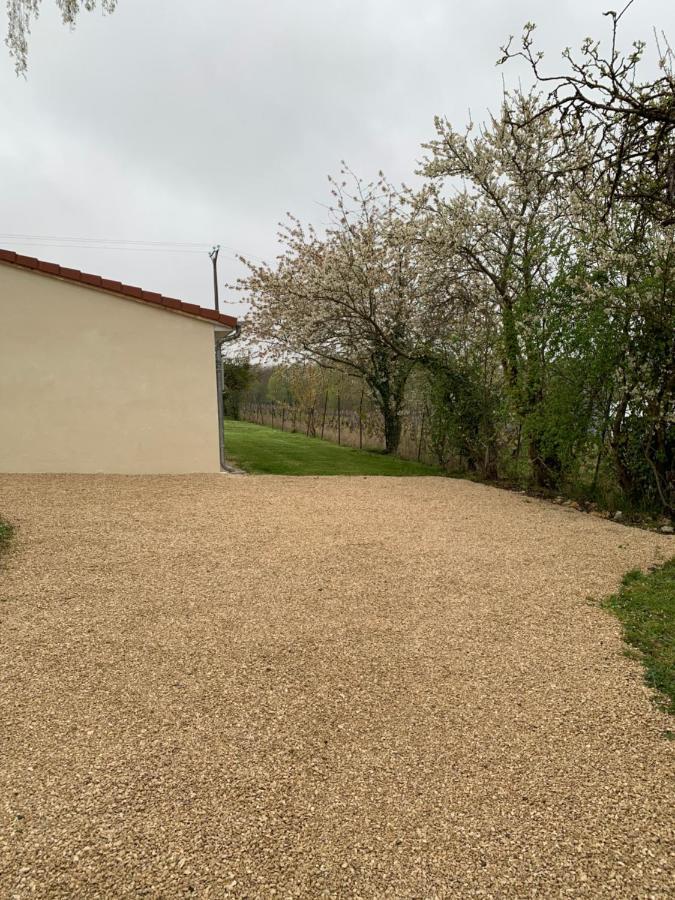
646,606
268,451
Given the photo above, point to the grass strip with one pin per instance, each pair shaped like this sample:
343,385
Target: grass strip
269,451
645,604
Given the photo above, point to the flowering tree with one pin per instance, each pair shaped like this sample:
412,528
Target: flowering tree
628,122
360,297
21,13
506,228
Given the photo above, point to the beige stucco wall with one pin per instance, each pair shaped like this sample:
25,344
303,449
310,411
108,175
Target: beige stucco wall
92,382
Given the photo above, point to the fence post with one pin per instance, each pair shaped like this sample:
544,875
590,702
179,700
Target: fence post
283,415
323,420
338,417
361,421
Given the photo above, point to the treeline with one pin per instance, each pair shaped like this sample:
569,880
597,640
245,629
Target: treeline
521,301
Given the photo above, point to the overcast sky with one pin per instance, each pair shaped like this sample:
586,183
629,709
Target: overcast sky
206,121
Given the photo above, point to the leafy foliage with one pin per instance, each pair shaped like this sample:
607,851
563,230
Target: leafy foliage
237,376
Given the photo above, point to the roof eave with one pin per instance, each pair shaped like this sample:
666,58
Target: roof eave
118,289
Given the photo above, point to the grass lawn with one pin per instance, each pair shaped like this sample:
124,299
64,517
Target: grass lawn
268,451
646,606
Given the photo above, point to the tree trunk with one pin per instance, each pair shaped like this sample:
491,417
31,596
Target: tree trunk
546,469
421,438
618,443
392,429
490,463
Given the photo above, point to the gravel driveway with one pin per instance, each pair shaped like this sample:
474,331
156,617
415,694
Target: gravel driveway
214,686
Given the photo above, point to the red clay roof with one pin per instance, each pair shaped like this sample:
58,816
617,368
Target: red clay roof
116,287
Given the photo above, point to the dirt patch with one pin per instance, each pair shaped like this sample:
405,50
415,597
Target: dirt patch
323,687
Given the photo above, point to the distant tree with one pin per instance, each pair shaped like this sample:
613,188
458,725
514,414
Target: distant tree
21,13
304,385
237,376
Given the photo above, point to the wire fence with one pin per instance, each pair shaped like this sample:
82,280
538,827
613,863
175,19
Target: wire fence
360,428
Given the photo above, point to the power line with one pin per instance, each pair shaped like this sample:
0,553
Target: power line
85,240
123,244
103,247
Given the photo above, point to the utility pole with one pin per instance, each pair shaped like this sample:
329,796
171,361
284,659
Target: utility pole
213,253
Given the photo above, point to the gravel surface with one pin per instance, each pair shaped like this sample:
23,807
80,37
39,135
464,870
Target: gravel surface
322,687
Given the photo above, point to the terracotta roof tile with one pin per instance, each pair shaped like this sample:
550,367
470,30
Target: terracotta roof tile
49,268
171,303
116,287
70,274
28,261
152,297
132,291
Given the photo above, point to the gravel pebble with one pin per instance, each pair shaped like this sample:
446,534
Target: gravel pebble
322,687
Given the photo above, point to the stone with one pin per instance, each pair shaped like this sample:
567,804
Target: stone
666,529
618,515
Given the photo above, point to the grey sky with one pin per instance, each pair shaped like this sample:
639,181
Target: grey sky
206,121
